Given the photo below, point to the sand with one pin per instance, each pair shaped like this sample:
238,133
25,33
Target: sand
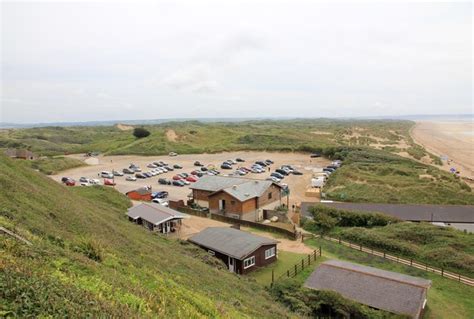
297,184
452,139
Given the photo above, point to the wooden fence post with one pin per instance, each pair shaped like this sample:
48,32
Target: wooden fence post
360,247
273,277
339,240
314,254
459,277
383,254
442,272
288,273
302,264
320,251
296,269
309,259
411,261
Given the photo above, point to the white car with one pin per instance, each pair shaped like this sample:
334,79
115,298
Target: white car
153,173
161,201
131,178
106,174
173,154
185,182
94,181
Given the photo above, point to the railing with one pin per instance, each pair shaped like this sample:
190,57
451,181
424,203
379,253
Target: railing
298,267
408,262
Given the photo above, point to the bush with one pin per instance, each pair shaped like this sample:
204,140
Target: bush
140,132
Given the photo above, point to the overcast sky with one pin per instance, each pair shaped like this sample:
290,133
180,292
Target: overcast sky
86,61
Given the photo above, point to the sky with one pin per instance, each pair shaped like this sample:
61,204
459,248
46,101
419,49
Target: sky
89,61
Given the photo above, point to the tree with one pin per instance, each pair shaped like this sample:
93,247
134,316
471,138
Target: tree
140,132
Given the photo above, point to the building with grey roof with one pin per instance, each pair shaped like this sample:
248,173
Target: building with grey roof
156,217
241,251
377,288
240,198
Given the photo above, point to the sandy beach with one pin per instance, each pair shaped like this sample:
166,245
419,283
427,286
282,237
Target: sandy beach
455,140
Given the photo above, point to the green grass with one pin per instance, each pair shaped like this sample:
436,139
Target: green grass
446,298
84,249
441,247
53,165
286,261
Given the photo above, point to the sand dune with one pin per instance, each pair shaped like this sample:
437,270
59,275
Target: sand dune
452,139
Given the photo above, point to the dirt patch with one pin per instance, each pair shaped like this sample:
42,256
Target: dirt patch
171,135
321,133
426,176
124,127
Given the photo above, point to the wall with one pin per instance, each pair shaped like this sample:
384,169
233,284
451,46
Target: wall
260,260
276,196
201,197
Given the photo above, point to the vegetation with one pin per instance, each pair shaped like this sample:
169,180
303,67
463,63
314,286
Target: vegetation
446,298
53,165
140,132
441,247
326,218
88,260
370,175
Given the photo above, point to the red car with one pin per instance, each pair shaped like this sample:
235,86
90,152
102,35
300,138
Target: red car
109,182
177,178
192,179
70,182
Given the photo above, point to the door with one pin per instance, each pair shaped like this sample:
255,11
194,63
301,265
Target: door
222,205
231,264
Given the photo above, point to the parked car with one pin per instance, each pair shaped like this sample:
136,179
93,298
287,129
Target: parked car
148,174
273,179
185,182
328,169
173,154
297,173
240,173
261,163
277,175
177,177
128,171
315,155
238,159
106,174
164,169
151,165
177,166
117,173
161,201
333,166
197,173
109,182
168,168
228,162
82,180
68,181
191,179
131,178
135,168
282,171
198,163
139,175
160,194
204,169
226,166
164,181
179,183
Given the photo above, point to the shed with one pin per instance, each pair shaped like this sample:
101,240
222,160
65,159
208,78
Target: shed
241,251
376,288
156,217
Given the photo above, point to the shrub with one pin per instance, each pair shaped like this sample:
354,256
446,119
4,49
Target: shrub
140,132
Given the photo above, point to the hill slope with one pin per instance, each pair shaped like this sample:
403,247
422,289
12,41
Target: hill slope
87,259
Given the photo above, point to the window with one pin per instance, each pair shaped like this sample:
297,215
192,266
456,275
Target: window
249,262
269,195
270,253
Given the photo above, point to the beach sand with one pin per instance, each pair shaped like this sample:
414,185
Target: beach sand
452,139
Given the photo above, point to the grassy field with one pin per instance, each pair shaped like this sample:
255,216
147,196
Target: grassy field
446,298
87,260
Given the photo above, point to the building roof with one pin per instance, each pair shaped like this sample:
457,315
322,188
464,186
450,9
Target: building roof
141,191
216,183
230,241
374,287
154,213
410,212
238,187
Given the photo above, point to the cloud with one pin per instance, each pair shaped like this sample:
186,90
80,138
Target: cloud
197,78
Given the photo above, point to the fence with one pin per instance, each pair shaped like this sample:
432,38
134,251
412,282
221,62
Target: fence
291,234
191,211
408,262
298,267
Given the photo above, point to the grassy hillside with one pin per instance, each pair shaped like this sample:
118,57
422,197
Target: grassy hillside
86,259
53,165
370,175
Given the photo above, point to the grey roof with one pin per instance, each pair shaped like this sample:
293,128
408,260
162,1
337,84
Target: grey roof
154,213
374,287
410,212
230,241
216,183
250,189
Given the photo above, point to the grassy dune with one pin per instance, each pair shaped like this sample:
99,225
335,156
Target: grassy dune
88,260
